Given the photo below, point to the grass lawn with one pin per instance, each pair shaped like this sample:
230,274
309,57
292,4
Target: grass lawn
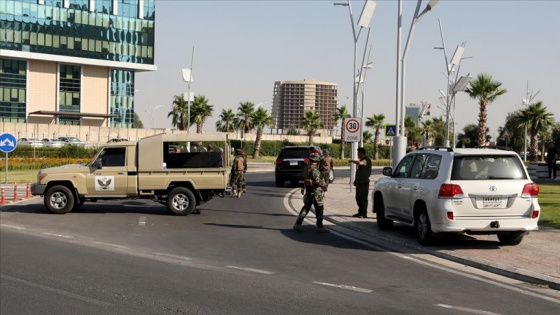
549,199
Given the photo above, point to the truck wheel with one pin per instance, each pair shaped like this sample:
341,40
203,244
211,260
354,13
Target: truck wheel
181,201
59,199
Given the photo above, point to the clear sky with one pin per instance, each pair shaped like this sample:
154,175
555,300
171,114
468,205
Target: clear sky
242,47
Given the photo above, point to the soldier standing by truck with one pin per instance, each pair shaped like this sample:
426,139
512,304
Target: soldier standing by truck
238,168
314,187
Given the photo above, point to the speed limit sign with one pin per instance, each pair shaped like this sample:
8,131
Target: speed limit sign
353,129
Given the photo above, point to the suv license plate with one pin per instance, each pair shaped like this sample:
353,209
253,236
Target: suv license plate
293,163
493,203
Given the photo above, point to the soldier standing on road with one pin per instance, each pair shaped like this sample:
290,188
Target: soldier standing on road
325,166
314,187
237,173
361,182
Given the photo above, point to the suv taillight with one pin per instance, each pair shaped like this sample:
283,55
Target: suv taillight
530,190
279,160
450,191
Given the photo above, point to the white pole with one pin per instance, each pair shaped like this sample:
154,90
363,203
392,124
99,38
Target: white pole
189,94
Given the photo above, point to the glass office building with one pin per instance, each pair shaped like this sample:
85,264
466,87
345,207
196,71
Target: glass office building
73,62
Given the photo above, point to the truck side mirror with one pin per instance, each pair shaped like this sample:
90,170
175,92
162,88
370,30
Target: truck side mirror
98,163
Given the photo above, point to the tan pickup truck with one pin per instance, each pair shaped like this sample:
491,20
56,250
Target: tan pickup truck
162,167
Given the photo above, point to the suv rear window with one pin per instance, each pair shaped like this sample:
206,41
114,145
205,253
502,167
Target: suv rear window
485,167
288,153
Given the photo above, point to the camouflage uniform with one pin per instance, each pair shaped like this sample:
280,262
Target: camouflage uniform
314,187
238,172
325,166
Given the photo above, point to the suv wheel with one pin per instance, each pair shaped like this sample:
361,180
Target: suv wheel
382,222
424,227
511,238
279,182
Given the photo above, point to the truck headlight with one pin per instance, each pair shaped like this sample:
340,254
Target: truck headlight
40,176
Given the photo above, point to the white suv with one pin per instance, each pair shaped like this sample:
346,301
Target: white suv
445,190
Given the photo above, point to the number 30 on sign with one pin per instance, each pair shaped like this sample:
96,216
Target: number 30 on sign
352,129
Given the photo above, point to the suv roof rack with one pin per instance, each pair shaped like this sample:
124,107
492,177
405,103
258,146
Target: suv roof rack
499,147
448,149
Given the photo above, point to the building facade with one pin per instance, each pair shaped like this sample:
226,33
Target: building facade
73,62
292,99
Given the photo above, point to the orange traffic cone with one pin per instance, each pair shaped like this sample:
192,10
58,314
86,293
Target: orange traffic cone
3,201
28,193
15,193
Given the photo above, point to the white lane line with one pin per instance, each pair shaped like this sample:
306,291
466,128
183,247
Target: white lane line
142,221
57,235
61,292
264,272
12,227
467,310
111,245
345,287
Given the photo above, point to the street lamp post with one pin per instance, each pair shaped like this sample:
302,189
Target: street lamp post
363,22
399,147
152,114
187,77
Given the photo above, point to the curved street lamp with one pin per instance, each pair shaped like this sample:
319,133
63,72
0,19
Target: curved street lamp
152,114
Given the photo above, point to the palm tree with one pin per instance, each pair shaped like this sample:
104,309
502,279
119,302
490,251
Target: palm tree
311,123
225,124
340,114
537,119
200,110
486,91
260,119
427,128
376,122
179,112
244,112
367,136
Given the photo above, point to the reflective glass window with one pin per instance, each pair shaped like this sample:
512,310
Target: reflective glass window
122,98
13,83
79,4
69,93
128,8
104,6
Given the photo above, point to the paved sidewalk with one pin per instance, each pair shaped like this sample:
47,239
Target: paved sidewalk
536,260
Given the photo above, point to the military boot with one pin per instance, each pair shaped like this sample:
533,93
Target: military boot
298,228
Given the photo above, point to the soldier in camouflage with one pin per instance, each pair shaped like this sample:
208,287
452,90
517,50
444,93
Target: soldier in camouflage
238,169
314,188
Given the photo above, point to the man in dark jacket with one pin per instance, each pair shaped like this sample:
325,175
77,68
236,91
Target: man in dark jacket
551,157
361,182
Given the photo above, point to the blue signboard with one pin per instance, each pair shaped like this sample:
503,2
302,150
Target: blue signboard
390,130
8,142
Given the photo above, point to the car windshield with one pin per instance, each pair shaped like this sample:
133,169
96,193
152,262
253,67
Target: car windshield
486,167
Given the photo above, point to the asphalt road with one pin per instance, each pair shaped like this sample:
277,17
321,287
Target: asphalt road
239,256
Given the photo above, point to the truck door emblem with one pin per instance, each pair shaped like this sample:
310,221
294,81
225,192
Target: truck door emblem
105,183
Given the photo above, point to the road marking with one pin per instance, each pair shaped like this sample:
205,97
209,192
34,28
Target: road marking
467,310
61,292
57,235
142,220
109,244
345,287
12,227
264,272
